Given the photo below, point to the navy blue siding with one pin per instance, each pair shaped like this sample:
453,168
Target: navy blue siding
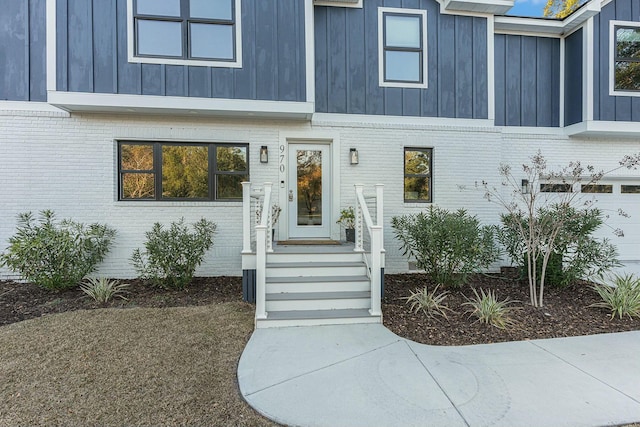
573,79
93,57
527,81
23,51
606,107
346,47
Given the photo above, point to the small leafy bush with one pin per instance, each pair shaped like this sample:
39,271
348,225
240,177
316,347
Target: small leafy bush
449,246
102,290
56,255
172,255
488,309
623,298
576,253
430,303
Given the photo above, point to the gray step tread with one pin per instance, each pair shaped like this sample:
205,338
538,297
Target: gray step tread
315,279
311,264
295,296
319,314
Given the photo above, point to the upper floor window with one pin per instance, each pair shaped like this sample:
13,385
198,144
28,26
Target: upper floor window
186,32
626,57
181,171
402,47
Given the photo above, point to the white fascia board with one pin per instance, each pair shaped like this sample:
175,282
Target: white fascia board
338,3
497,7
365,120
29,106
597,128
150,104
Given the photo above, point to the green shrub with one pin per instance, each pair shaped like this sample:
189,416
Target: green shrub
623,298
172,255
577,254
56,255
430,303
102,290
448,246
487,309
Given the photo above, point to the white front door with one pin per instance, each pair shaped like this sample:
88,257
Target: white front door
309,192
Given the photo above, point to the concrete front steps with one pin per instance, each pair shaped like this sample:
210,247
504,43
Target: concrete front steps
304,289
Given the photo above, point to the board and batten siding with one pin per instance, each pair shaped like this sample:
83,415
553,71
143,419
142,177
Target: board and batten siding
23,50
92,55
346,50
573,78
527,81
606,107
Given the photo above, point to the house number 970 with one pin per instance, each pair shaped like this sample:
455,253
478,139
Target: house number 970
281,157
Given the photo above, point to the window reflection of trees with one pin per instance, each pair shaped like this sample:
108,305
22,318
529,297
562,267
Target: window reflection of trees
417,174
627,63
309,177
185,171
137,185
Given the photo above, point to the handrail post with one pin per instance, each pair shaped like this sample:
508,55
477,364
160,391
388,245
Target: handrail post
261,263
246,217
358,220
376,249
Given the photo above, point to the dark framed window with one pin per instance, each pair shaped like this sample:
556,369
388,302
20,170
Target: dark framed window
596,188
555,188
185,29
630,189
181,171
418,185
627,58
403,47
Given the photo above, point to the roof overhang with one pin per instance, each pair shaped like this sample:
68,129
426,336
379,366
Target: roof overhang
548,27
496,7
76,102
604,129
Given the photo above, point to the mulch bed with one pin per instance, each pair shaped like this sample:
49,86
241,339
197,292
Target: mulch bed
566,311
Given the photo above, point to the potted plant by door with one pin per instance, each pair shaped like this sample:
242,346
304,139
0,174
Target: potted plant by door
348,221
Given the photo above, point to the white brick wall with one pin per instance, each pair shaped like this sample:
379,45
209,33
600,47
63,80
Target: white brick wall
68,164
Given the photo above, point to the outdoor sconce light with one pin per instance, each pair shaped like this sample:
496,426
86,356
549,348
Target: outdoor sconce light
353,156
526,189
264,154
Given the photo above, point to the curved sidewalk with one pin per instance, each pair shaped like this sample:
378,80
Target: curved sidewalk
364,375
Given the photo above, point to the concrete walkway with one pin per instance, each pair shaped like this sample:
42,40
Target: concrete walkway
364,375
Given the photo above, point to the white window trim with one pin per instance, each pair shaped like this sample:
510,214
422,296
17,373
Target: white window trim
196,62
423,14
612,57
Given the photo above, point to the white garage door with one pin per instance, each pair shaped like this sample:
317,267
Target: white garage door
624,195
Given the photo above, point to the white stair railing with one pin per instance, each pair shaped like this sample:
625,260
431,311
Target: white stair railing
264,243
364,223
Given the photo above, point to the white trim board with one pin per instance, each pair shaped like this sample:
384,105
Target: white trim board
30,106
151,104
346,120
51,45
309,49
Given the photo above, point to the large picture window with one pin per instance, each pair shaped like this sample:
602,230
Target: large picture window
176,171
417,174
402,47
184,31
626,58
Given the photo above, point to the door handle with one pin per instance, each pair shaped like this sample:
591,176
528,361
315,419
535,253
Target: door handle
291,195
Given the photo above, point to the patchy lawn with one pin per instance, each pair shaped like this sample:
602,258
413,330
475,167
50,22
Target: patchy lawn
134,367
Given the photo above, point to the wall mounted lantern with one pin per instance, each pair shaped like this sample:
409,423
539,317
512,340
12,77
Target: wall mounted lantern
353,156
526,187
264,154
